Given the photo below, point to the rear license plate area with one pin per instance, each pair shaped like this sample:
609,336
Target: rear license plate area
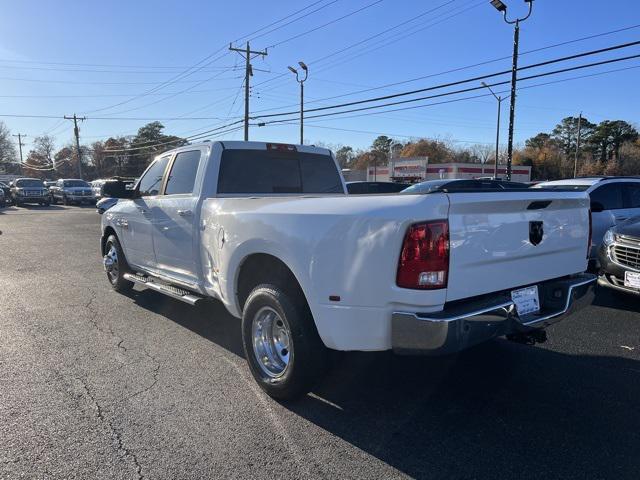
526,300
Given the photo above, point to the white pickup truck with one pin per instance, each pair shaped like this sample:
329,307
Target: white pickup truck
269,230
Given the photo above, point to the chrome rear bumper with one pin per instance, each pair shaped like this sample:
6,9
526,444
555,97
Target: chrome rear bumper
466,323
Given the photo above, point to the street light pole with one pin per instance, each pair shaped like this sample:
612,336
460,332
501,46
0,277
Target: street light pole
301,82
501,7
499,99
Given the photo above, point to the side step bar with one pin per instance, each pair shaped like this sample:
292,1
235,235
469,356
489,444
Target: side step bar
168,290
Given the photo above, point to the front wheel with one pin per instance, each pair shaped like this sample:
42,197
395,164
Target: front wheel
281,343
116,266
65,201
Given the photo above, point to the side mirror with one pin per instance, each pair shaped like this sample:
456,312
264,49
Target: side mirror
117,189
597,207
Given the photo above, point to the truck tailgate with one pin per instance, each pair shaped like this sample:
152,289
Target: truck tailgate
495,239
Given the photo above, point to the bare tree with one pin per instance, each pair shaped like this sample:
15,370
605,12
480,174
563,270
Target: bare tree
483,152
7,150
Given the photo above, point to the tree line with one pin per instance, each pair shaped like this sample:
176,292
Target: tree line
611,147
117,156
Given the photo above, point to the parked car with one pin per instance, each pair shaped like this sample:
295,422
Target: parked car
309,268
6,189
70,190
613,200
105,204
619,257
96,188
29,190
363,188
446,185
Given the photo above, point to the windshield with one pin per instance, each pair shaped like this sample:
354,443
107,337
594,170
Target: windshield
426,187
568,186
75,183
29,182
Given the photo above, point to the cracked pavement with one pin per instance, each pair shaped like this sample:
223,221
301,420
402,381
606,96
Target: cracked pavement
94,384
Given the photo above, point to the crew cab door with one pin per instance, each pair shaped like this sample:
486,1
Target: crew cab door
175,218
135,216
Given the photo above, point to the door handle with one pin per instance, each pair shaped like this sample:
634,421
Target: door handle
185,213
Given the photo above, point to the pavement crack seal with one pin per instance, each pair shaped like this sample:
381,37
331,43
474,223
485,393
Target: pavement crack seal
155,373
115,435
93,320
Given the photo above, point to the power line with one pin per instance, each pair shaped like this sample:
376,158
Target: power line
465,90
188,72
120,94
84,70
399,94
458,82
369,49
221,130
331,22
466,67
192,137
369,114
106,65
73,82
313,62
292,21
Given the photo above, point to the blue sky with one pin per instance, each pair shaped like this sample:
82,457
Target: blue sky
122,50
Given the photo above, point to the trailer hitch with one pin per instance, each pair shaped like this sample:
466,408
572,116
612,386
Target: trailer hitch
528,338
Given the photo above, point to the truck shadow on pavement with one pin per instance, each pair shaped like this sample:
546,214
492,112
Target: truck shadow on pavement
607,297
500,410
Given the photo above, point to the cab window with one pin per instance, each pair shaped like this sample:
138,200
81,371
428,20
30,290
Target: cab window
632,198
182,176
609,196
151,181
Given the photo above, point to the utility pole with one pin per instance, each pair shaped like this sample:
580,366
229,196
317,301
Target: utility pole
575,161
20,137
501,7
76,131
246,53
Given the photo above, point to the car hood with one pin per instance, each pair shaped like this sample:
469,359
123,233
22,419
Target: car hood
107,203
78,189
629,227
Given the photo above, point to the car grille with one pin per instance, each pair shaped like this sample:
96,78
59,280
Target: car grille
626,255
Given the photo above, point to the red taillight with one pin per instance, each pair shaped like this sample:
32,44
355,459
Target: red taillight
424,259
590,235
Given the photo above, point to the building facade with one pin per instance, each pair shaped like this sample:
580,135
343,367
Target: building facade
418,169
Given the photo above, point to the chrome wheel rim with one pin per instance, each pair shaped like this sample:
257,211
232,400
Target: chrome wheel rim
272,346
111,265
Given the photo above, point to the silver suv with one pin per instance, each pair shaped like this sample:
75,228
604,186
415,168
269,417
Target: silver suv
613,200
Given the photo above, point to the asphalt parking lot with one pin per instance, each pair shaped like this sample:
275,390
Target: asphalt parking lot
94,384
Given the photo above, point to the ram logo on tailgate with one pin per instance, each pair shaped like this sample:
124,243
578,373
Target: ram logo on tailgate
536,232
